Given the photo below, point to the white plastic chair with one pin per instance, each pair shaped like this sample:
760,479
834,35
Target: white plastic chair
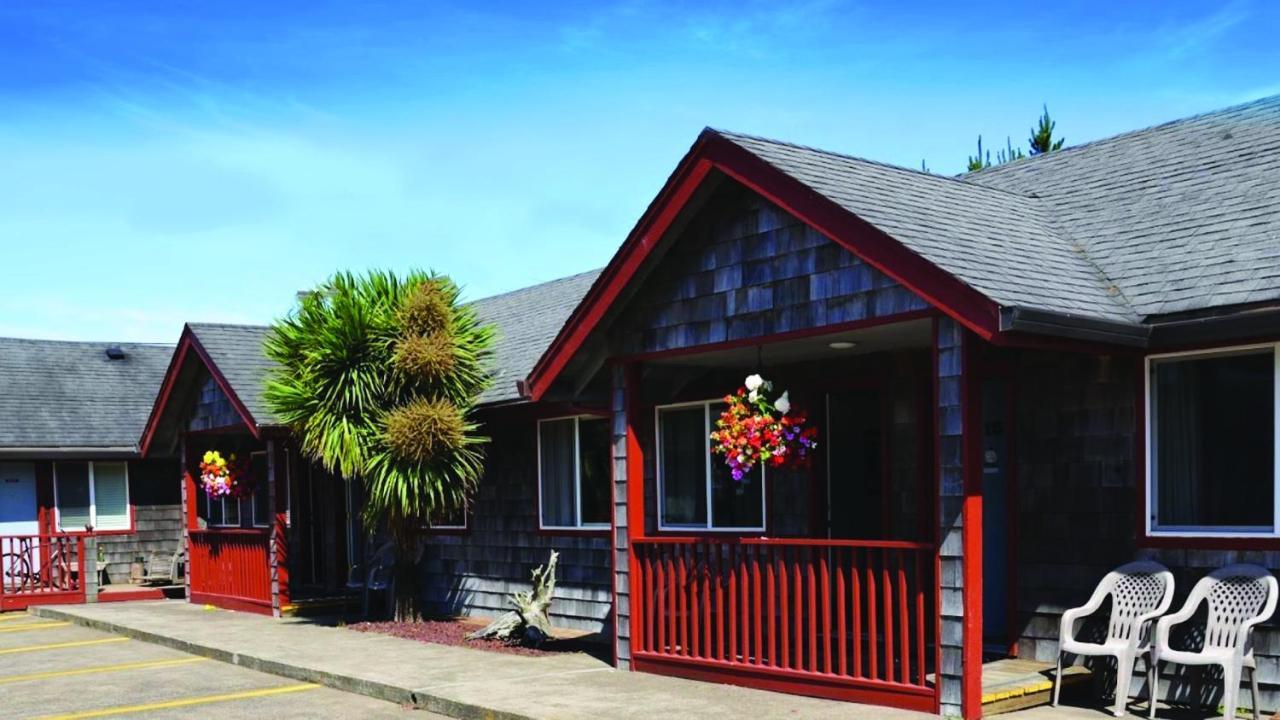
1140,592
1239,597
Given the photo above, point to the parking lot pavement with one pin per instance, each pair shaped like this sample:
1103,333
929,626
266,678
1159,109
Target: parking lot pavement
59,670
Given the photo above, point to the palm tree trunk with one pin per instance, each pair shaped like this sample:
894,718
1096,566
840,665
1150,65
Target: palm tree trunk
408,599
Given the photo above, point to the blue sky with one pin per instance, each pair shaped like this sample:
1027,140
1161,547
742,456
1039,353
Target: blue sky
177,160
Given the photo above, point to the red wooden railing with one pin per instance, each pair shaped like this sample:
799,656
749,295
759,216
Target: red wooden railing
41,570
230,568
838,618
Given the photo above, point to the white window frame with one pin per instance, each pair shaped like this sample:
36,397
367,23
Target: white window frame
577,473
707,426
93,495
466,517
1154,530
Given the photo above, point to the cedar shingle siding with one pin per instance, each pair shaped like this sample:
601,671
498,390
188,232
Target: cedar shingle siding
154,491
474,572
1077,496
744,268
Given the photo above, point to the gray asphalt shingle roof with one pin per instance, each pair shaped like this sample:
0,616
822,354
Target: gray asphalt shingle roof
56,394
1001,243
526,321
1181,216
237,351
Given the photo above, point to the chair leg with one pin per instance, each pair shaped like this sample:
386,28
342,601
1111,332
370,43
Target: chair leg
1155,675
1230,690
1153,680
1253,690
1124,677
1057,681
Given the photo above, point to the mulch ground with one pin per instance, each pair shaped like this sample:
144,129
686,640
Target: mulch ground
453,632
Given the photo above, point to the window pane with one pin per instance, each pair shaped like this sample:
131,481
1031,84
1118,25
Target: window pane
212,508
262,489
556,468
73,495
736,504
593,448
1214,432
683,437
111,496
231,511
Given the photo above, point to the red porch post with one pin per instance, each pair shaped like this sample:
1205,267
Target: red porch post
46,515
971,463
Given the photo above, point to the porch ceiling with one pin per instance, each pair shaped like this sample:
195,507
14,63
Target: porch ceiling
880,338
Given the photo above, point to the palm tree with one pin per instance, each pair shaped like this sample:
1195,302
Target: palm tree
378,378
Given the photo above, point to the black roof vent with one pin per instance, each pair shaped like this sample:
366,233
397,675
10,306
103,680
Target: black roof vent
115,352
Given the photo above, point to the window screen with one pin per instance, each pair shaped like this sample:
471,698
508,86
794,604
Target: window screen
1213,441
557,449
111,496
74,502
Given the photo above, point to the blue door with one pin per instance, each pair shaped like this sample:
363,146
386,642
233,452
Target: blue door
17,517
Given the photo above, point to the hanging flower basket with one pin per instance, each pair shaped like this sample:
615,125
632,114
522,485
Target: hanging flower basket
754,430
225,477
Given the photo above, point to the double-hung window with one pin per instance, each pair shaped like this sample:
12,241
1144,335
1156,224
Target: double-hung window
1211,442
91,494
254,510
695,490
573,473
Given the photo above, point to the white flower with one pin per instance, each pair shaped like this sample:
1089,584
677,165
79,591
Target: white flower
754,382
752,396
784,404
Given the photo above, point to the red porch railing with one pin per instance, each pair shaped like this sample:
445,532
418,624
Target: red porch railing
230,568
41,570
835,618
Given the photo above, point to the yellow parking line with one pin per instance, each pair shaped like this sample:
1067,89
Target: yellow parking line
100,669
19,616
33,626
55,646
184,702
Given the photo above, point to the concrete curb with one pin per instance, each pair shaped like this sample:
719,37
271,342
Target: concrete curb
419,699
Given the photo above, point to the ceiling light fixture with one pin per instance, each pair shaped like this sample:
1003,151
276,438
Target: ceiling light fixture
842,345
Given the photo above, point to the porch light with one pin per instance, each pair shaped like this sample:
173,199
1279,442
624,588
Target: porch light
842,345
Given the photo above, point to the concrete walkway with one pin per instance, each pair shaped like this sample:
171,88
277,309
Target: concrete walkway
453,681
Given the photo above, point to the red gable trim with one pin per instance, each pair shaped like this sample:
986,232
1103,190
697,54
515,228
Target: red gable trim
938,287
188,344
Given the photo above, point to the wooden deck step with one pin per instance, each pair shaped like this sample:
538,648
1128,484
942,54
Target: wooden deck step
1012,684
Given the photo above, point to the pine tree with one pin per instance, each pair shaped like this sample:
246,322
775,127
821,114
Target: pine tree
979,161
1042,136
1010,153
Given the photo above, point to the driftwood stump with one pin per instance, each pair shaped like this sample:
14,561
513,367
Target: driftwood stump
528,624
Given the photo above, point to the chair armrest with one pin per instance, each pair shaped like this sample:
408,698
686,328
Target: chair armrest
1140,625
1160,638
1066,629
